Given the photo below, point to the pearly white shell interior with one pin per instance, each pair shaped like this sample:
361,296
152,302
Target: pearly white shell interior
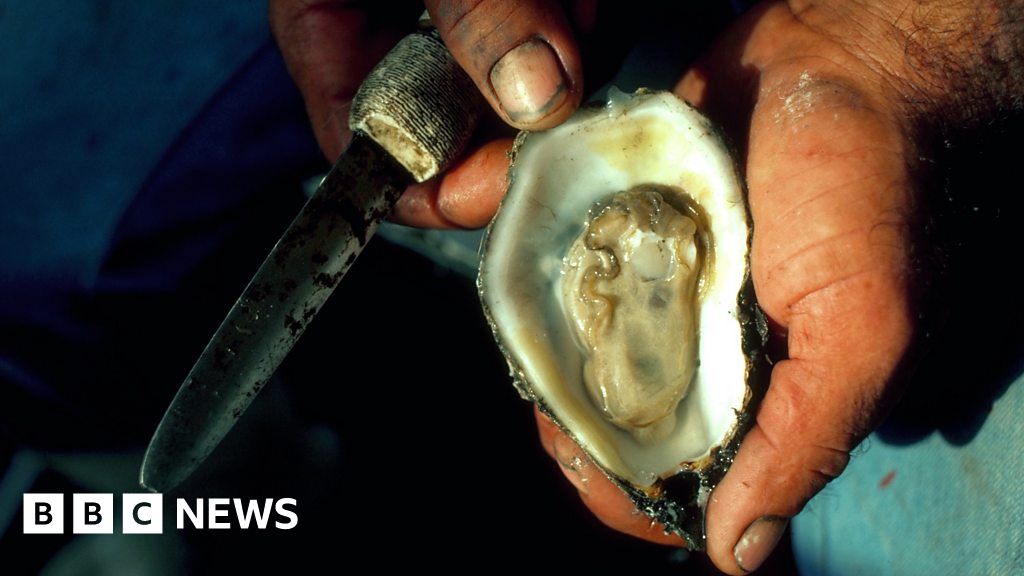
558,175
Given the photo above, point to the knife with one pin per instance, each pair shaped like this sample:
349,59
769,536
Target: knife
410,118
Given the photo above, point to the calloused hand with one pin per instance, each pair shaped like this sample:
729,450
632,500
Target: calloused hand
827,101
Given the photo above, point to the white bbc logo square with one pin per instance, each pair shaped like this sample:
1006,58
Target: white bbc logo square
92,514
43,514
142,514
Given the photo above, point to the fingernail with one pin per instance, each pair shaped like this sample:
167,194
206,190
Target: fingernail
572,461
529,82
758,541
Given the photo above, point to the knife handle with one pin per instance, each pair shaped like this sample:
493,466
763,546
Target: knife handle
418,104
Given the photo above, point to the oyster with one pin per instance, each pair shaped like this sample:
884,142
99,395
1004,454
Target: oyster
615,279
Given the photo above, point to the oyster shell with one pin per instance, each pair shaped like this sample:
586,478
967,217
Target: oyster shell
615,279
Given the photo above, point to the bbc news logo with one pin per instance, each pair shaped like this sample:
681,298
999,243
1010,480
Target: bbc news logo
143,513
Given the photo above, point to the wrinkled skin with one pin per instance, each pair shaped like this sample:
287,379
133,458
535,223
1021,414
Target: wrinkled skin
826,101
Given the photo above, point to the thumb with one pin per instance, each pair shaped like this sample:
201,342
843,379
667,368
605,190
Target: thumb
521,55
818,407
831,194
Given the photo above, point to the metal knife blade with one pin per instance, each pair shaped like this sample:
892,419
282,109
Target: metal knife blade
294,281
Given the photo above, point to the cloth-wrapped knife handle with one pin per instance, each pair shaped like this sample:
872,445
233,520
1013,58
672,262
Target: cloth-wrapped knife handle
418,105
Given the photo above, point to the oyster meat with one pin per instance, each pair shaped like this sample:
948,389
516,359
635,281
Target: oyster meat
615,278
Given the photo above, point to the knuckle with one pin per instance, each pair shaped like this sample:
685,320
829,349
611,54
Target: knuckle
458,17
794,396
825,463
809,404
479,30
800,466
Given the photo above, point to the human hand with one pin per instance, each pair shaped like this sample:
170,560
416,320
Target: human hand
522,56
830,103
827,101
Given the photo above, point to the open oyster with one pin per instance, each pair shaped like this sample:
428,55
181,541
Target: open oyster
615,278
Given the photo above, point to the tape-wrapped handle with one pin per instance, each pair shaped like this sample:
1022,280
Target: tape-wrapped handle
418,105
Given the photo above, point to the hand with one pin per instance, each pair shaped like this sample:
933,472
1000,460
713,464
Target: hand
828,101
521,55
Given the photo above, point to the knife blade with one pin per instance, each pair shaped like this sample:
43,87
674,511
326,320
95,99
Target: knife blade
411,118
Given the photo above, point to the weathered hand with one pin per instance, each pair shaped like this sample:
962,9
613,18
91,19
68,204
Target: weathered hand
830,174
828,101
521,55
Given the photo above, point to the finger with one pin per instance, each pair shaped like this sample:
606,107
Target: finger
604,499
521,55
466,196
471,191
329,47
417,207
